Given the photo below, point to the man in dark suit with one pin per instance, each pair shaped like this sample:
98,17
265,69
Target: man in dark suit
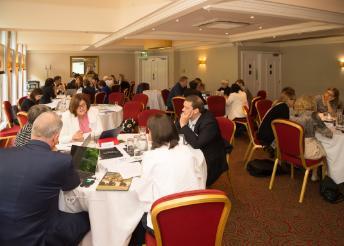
177,90
31,178
201,131
193,90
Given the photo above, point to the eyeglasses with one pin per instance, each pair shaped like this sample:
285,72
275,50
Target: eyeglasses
82,105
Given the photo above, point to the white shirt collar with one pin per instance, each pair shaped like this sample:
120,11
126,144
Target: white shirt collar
192,123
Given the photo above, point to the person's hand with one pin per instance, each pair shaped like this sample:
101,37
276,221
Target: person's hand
184,118
78,136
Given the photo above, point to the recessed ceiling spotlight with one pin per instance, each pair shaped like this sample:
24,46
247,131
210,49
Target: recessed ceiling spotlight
200,29
153,29
177,20
260,27
273,36
226,33
251,17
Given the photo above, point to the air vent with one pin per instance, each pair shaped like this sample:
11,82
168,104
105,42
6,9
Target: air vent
220,24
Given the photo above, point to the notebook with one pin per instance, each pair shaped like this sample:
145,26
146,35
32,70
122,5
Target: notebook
114,181
109,153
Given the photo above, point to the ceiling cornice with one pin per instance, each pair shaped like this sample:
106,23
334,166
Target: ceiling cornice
278,9
173,10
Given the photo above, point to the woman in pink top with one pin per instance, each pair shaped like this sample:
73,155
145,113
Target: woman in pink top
79,119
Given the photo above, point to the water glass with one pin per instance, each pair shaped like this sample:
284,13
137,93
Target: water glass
130,146
339,119
142,130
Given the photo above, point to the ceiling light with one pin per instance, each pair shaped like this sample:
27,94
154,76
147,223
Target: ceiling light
251,17
260,28
177,20
226,33
273,36
153,29
200,29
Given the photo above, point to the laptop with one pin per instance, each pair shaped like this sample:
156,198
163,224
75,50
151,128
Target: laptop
85,159
112,133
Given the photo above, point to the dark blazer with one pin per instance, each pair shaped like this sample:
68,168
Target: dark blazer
176,90
124,85
31,178
207,137
265,133
27,104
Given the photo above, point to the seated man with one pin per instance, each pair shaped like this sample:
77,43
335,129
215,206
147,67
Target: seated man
31,178
177,90
279,110
194,90
201,131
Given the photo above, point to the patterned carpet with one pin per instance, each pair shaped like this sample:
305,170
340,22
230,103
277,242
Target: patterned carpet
263,217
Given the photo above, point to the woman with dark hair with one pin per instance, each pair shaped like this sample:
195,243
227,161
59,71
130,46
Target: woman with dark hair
88,89
235,102
32,100
48,91
328,101
169,166
79,119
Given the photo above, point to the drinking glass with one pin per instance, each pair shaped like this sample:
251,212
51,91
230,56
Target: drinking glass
130,146
142,130
339,119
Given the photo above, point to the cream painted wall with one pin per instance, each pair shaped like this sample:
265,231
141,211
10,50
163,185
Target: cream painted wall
311,69
60,65
221,63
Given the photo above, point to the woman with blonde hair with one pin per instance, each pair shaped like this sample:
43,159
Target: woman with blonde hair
304,114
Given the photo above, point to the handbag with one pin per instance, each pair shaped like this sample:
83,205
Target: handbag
313,149
329,191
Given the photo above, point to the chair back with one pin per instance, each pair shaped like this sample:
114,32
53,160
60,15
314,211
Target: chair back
142,98
217,105
178,104
261,94
250,126
164,94
190,218
99,97
131,90
263,107
7,108
116,88
253,109
144,116
22,118
116,97
227,128
289,139
131,110
142,87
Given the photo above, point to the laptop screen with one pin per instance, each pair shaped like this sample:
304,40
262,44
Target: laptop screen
84,158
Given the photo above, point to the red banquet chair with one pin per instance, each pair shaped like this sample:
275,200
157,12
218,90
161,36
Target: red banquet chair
144,116
217,105
252,112
227,128
262,107
290,143
261,94
164,94
254,142
131,110
22,118
99,97
11,130
189,218
178,104
20,101
116,97
142,98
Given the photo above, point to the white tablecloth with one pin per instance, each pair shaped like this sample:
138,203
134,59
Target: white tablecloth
335,155
113,214
155,100
111,116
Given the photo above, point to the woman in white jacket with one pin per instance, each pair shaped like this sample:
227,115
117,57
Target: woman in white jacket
79,119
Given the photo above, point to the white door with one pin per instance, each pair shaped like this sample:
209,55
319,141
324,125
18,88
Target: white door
271,74
154,70
249,70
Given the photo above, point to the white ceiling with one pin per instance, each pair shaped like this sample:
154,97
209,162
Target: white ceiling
109,25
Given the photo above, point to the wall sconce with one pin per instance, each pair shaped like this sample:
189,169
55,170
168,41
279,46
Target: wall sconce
202,61
341,64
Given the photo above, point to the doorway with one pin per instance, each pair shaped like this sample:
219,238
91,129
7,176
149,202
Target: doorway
154,70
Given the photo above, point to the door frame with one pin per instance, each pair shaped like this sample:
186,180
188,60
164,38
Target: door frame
139,67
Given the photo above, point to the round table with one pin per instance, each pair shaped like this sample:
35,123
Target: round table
110,115
155,100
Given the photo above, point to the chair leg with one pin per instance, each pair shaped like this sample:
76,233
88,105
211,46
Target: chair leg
273,174
304,184
292,171
247,151
323,170
250,155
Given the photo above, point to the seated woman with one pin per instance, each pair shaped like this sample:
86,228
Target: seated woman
24,135
305,115
235,102
88,89
79,119
169,166
32,100
328,101
48,91
279,109
104,88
